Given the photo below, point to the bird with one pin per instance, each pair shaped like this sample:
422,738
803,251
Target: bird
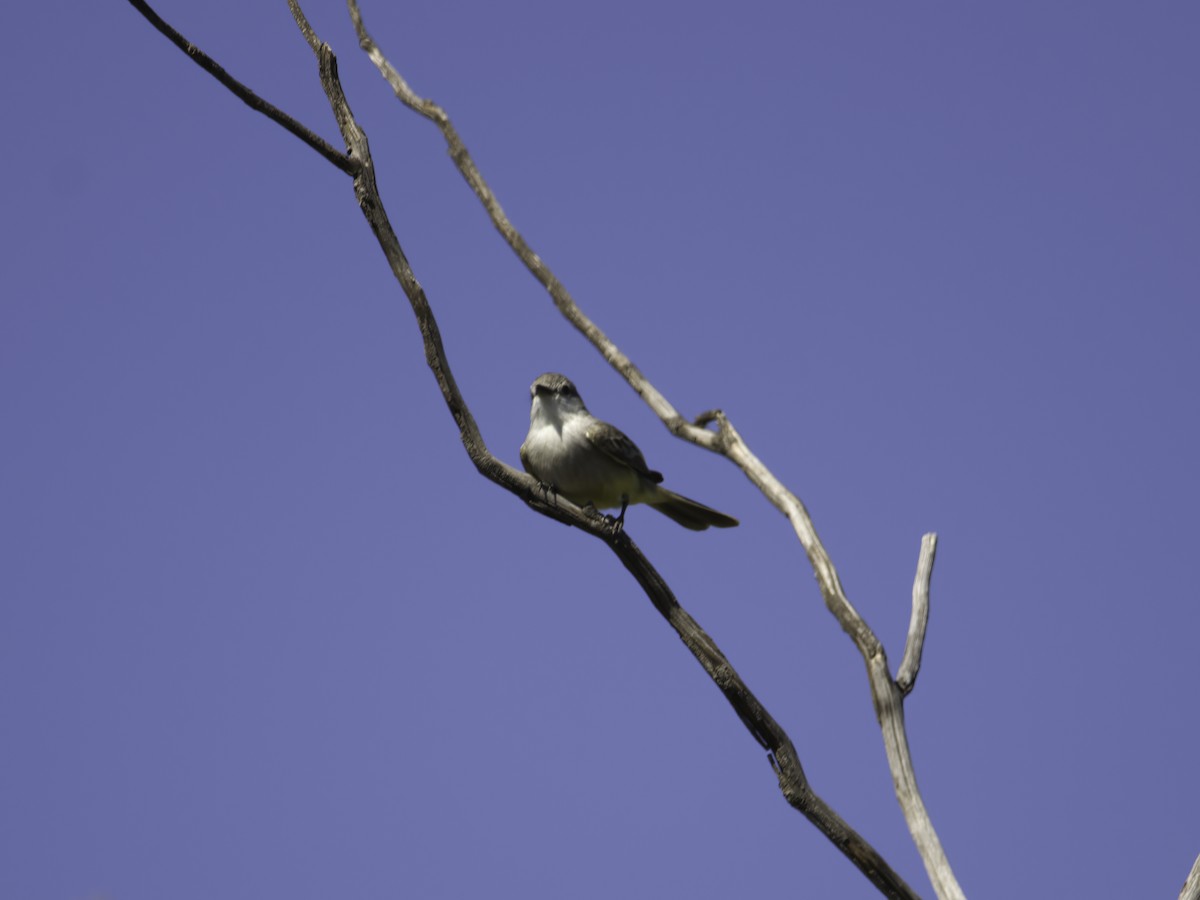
593,464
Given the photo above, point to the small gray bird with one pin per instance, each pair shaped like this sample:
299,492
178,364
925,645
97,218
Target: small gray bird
591,463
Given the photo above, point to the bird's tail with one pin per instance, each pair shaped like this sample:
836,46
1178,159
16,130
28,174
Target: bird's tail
689,513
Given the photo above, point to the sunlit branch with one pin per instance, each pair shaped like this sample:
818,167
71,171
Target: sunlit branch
887,696
757,720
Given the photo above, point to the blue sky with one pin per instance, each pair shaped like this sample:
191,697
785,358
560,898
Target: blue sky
265,633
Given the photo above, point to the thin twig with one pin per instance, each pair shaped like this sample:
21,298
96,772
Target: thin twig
243,93
306,31
910,664
887,697
757,720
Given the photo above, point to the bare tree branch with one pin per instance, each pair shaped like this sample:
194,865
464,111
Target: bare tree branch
757,720
243,93
1191,887
910,664
887,695
558,293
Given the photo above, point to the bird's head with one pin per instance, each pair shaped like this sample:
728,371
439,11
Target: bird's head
554,396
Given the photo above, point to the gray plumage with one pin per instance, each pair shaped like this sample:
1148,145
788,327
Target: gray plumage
593,463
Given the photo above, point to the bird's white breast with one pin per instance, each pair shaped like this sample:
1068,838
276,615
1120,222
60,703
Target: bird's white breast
558,452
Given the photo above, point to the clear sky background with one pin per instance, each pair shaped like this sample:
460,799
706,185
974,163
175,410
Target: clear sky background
264,632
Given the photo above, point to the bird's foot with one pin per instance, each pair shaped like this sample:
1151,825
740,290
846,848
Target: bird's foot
590,510
549,490
619,521
616,524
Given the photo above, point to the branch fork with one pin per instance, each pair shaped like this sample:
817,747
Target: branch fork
888,694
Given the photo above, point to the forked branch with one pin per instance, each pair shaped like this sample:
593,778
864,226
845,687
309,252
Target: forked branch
886,691
357,163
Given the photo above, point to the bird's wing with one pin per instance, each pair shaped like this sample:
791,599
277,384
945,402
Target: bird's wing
614,444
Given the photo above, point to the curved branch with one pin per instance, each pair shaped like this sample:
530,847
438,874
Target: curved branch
558,293
757,720
887,697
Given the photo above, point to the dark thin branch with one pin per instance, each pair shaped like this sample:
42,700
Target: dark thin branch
781,752
243,93
757,720
910,664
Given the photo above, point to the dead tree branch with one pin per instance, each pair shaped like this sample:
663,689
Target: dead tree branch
887,692
357,162
243,93
910,664
1191,886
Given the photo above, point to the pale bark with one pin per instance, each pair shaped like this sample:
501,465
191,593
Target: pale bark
358,163
888,693
1191,886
